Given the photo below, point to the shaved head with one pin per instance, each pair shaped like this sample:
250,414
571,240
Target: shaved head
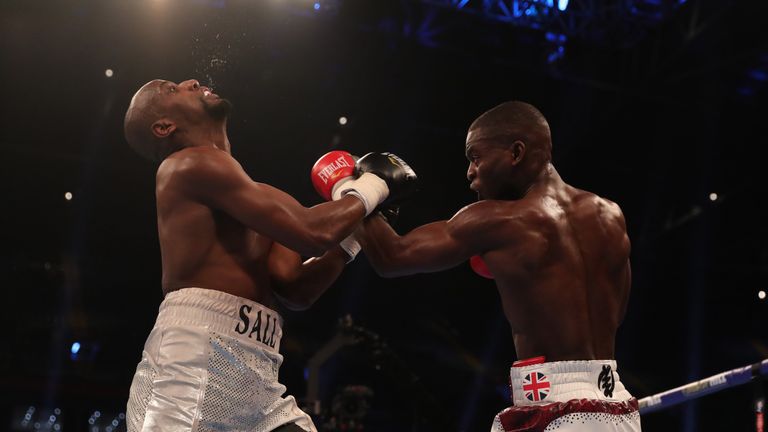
511,121
142,113
164,117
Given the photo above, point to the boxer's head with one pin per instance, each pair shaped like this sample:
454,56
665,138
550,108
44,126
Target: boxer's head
161,112
507,147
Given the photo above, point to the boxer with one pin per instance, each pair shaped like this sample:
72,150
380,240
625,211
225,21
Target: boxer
230,249
560,260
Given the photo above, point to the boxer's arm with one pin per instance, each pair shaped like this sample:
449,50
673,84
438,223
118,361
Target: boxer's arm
432,247
217,180
299,284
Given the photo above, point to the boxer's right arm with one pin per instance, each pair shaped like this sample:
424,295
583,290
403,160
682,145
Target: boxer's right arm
435,246
217,180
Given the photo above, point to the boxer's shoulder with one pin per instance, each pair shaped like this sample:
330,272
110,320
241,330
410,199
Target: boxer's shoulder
199,173
489,212
494,221
592,205
591,200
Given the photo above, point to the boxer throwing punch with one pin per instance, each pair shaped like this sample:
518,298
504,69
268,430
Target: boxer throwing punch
230,248
560,260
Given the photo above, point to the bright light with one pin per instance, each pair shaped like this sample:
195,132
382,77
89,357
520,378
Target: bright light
109,73
761,295
317,6
343,120
75,348
562,4
68,196
713,196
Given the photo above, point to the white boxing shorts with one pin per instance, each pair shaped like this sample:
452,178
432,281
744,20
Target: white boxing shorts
211,364
568,396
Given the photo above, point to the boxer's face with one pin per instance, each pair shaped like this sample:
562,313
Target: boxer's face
488,170
188,100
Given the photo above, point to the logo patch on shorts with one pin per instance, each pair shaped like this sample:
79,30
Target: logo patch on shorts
605,381
536,386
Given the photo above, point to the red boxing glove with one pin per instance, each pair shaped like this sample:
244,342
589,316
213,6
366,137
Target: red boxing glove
478,265
329,170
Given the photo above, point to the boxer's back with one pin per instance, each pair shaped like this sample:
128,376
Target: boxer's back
204,247
564,281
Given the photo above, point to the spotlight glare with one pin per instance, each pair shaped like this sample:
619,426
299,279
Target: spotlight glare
317,6
75,347
562,4
713,196
761,295
109,73
343,120
68,196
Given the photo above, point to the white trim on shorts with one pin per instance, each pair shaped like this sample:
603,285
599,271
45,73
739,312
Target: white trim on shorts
542,383
249,322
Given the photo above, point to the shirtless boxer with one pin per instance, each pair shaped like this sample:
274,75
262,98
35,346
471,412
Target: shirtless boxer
227,247
560,259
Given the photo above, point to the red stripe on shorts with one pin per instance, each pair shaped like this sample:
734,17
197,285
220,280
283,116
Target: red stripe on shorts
535,418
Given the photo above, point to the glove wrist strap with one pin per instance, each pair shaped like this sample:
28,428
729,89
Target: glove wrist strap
351,246
369,188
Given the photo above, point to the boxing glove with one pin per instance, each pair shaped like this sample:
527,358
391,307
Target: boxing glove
479,266
333,177
331,171
399,176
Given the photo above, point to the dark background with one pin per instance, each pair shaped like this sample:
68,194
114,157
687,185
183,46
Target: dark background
653,104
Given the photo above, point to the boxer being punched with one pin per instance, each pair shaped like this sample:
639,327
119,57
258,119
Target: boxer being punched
560,260
230,247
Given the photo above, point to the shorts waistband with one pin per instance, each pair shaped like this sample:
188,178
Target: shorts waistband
535,381
249,322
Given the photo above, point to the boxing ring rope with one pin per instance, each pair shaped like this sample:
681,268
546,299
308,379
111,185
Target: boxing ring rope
732,378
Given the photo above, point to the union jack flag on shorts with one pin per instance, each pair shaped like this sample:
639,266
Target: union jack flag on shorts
536,386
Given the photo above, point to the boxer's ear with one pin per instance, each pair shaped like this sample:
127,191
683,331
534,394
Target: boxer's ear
163,128
517,149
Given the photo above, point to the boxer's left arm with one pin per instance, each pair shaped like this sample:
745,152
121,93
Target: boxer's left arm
298,284
432,247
